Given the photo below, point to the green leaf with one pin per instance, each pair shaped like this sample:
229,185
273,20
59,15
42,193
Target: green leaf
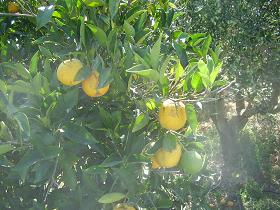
179,71
46,52
22,87
41,169
40,84
169,142
206,45
93,3
141,39
5,132
129,30
148,73
83,73
202,67
98,33
204,73
44,16
105,78
3,86
78,134
22,71
29,158
196,145
196,81
23,123
136,144
155,53
82,32
68,100
135,15
106,117
4,148
113,7
3,101
191,117
19,68
33,66
163,69
219,83
48,70
210,63
111,197
69,176
112,42
111,160
141,121
215,72
181,52
142,56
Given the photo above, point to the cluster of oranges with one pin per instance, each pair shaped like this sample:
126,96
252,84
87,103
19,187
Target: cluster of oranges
67,72
172,116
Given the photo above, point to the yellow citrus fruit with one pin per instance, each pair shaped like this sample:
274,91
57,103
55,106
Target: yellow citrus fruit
13,7
123,206
155,164
168,159
191,162
172,115
90,86
68,70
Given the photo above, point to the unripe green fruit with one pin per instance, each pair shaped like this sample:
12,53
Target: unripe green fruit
191,162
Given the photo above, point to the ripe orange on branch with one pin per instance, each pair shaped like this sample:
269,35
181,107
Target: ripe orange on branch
123,206
172,115
167,158
90,86
68,70
13,7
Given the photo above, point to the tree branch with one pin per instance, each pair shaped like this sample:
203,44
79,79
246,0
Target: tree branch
16,15
272,105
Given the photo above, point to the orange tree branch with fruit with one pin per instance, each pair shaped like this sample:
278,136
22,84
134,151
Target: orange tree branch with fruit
92,115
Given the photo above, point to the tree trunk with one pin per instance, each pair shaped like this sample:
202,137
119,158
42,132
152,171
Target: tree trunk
237,149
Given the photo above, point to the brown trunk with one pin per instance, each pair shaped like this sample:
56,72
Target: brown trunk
237,150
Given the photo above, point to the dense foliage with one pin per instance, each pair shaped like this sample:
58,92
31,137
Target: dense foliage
61,149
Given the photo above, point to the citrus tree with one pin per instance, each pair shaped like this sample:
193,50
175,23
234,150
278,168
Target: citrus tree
249,35
98,103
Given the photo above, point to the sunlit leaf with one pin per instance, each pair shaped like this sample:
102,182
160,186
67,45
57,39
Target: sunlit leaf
141,121
4,148
111,197
44,16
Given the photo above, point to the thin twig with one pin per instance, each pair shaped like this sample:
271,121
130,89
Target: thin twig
16,15
52,181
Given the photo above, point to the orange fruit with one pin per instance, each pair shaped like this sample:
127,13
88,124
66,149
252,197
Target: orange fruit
90,85
168,158
68,70
172,115
191,162
123,206
155,164
13,7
